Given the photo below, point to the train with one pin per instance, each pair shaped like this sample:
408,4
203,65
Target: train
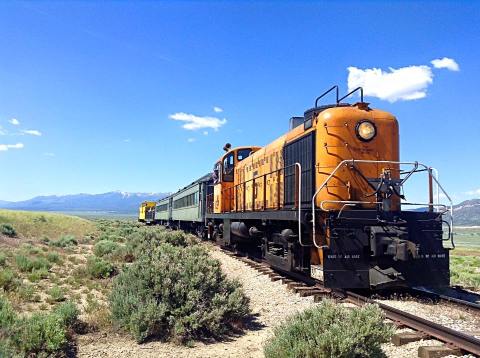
325,200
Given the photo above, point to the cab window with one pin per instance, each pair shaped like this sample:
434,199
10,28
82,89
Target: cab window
228,167
216,173
243,153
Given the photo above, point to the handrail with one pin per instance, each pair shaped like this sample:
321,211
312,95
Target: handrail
299,166
353,161
451,209
259,177
299,204
435,171
325,93
351,92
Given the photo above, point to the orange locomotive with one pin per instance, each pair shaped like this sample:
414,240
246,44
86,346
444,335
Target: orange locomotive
326,200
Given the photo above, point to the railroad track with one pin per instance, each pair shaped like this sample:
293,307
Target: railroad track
454,295
455,342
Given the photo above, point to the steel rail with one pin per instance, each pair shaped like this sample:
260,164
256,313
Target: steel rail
447,335
458,301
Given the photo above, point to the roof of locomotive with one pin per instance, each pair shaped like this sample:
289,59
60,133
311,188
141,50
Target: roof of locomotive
254,148
359,106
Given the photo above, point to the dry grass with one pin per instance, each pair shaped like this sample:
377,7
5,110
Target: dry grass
41,225
43,271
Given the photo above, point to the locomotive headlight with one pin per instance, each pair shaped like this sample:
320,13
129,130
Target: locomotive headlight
366,130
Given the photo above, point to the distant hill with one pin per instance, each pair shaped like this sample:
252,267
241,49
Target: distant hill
467,213
115,201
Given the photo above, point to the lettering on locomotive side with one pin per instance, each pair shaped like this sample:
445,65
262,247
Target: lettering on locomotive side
343,256
432,256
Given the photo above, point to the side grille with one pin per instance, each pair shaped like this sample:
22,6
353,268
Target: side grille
300,151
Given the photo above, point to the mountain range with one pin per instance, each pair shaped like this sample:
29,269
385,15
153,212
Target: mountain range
115,201
467,213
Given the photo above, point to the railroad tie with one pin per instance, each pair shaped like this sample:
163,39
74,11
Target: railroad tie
306,291
438,351
399,339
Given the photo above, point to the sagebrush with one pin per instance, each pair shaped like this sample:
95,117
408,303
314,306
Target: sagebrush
176,292
99,268
8,230
38,335
331,330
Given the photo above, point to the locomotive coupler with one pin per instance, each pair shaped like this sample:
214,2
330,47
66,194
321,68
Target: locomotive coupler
392,241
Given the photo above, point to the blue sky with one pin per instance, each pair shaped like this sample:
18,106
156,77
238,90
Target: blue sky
94,87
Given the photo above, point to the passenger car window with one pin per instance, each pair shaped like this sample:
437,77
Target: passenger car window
228,167
243,153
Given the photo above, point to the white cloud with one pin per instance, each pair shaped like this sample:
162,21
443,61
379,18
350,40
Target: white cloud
217,109
127,140
49,154
473,192
405,83
32,132
5,147
448,63
191,140
205,132
14,121
194,122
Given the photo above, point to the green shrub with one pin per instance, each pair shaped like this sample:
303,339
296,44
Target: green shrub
68,313
38,275
23,263
3,259
105,247
28,264
54,257
99,268
65,241
37,335
27,292
30,249
330,330
464,271
7,315
8,281
143,242
56,294
8,230
40,333
177,293
111,237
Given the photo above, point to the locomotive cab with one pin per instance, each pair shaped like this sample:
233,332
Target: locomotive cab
146,212
224,176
